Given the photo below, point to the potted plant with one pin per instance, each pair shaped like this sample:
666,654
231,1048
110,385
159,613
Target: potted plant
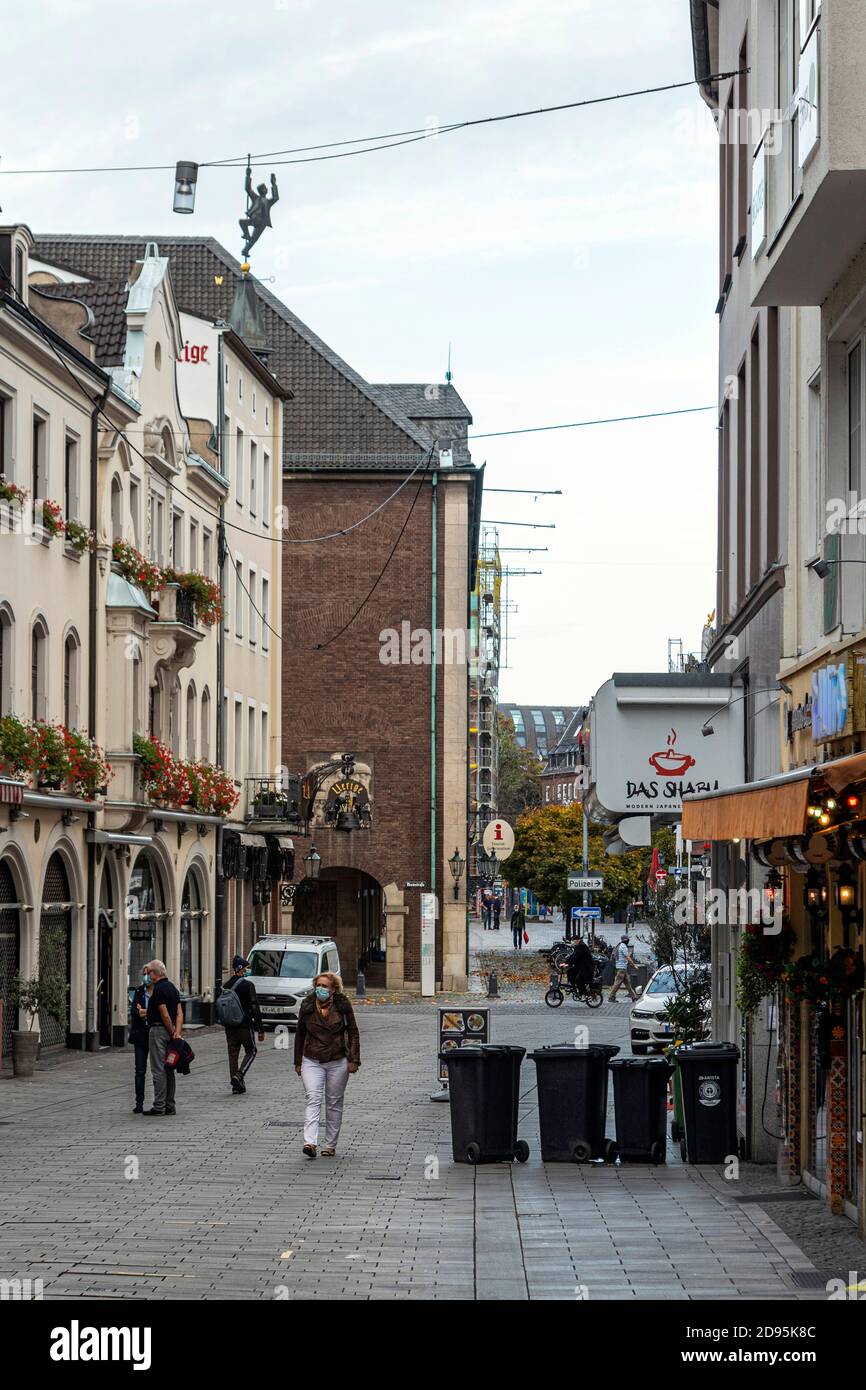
16,747
79,538
88,770
164,777
31,996
130,563
49,764
204,592
51,514
212,791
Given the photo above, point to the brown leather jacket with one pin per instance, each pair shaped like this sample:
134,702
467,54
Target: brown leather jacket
327,1039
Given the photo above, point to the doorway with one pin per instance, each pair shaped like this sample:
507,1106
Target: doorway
105,957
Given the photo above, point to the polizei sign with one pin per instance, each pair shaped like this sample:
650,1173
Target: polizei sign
647,748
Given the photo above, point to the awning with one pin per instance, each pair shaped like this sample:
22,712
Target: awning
284,841
843,771
762,811
253,841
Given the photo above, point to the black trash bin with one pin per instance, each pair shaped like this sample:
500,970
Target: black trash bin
640,1099
572,1101
708,1075
484,1090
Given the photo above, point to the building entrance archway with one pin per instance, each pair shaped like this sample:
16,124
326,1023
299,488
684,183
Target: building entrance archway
346,904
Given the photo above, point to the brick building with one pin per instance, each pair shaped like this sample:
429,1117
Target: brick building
362,674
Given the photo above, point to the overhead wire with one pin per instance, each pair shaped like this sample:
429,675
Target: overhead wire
375,142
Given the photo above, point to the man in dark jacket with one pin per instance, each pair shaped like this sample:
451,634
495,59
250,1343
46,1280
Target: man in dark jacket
138,1037
241,1034
518,926
581,968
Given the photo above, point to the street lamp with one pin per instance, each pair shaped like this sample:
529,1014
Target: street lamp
487,865
185,179
456,864
312,864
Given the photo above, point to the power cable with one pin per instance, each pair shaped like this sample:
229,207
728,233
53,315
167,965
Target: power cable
373,142
239,579
583,424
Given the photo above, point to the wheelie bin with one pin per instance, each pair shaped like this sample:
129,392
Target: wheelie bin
572,1101
484,1090
640,1098
708,1076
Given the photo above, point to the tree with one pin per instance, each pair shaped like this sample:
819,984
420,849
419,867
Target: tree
519,773
548,845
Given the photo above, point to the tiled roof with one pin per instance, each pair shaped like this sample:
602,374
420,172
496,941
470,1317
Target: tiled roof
107,302
336,414
434,401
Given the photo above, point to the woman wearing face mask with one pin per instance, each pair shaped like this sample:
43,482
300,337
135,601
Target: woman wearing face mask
138,1036
327,1053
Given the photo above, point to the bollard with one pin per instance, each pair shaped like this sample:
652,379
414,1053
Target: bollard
492,986
360,986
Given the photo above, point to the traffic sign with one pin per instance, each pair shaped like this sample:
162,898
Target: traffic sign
589,912
498,838
585,883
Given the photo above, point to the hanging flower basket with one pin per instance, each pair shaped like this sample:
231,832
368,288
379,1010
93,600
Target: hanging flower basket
761,963
819,981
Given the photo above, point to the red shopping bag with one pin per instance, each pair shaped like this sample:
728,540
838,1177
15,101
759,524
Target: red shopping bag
525,937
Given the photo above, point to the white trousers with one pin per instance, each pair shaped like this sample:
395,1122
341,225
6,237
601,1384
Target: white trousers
324,1081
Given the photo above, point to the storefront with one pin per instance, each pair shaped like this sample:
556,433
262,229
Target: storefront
807,831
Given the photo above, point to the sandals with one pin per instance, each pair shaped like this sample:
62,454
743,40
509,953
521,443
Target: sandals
309,1150
329,1153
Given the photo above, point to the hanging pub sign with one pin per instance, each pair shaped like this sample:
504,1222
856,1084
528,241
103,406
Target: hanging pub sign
346,799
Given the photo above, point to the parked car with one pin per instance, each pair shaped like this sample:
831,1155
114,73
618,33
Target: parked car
650,1030
283,970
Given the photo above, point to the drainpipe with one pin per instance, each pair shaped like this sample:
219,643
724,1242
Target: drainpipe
91,1037
219,881
434,580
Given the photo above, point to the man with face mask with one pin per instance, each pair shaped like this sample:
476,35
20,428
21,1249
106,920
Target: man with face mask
240,1035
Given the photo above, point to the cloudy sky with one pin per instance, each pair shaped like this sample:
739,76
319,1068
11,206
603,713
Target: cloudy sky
569,259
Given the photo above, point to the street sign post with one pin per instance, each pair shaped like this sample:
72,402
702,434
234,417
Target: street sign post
585,883
594,912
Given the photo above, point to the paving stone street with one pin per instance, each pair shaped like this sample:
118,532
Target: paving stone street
241,1214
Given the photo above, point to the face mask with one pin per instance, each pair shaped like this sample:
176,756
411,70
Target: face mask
145,979
248,971
323,993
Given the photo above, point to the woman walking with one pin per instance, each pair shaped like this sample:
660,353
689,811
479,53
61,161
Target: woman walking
327,1053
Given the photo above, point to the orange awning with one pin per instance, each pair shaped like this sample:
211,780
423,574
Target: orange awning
765,813
842,771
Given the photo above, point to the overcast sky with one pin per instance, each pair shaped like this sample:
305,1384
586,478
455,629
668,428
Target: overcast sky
570,259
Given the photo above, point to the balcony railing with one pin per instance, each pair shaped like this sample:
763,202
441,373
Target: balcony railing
272,800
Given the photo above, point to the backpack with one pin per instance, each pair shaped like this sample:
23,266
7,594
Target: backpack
229,1009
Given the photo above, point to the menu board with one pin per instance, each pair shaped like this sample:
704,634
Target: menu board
460,1027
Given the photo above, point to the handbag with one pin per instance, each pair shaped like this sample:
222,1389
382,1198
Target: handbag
525,937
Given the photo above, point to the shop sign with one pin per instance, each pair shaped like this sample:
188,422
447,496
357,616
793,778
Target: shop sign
800,718
829,702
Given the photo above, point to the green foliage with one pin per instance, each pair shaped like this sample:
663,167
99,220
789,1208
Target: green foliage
548,845
41,992
519,773
689,1010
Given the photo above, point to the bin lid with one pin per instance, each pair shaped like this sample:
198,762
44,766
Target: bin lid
480,1050
556,1051
703,1051
641,1062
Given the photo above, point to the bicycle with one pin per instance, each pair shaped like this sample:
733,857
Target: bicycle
592,997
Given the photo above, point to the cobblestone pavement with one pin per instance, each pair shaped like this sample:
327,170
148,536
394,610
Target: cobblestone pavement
240,1214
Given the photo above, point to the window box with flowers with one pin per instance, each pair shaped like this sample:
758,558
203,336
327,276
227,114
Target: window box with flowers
204,593
16,748
88,769
50,516
164,778
133,566
49,766
79,538
10,493
212,791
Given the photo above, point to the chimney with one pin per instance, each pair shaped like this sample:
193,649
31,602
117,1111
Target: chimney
16,243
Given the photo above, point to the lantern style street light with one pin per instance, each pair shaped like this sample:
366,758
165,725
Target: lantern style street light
456,864
185,179
312,865
487,865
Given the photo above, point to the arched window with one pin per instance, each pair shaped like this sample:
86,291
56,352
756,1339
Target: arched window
146,915
116,509
39,670
55,947
174,719
7,634
71,679
191,920
205,724
190,722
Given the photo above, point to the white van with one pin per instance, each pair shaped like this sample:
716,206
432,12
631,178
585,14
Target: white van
283,970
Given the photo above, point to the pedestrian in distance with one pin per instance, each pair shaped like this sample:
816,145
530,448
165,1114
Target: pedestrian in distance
623,958
518,926
486,909
138,1036
497,912
237,1009
327,1053
165,1025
